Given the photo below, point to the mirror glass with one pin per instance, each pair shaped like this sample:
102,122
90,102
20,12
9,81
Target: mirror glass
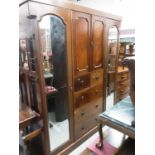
53,49
111,66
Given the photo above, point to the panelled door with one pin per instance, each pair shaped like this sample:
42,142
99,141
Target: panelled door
81,42
97,42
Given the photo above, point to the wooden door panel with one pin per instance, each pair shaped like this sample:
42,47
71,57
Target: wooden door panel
81,41
97,42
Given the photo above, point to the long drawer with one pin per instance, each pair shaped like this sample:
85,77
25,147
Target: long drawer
122,96
85,117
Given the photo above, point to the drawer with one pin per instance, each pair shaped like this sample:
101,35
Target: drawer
81,82
85,124
96,92
123,83
96,77
90,110
122,96
123,91
81,129
81,98
123,76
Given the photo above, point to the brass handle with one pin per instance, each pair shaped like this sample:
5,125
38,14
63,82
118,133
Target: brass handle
122,77
97,66
82,128
96,77
82,82
82,97
96,106
81,70
82,114
96,91
79,79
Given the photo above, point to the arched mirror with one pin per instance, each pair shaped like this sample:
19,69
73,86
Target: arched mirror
111,66
54,53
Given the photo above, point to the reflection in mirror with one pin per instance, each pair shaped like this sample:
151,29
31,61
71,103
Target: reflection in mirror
53,49
111,66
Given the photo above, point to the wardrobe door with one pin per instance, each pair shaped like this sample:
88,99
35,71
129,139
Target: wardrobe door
97,42
81,41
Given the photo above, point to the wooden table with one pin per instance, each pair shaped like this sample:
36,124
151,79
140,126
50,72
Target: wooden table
119,117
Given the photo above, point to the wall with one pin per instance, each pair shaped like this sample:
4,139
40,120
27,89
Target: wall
124,8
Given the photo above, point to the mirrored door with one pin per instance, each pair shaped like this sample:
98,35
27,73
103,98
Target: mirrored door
54,55
111,66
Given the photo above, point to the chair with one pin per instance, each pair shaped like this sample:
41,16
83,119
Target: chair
119,117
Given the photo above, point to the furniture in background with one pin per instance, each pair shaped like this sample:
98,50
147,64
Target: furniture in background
122,83
30,126
127,49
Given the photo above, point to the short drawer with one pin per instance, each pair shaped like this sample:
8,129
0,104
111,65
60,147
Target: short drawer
96,77
123,76
96,92
81,82
83,127
123,83
81,98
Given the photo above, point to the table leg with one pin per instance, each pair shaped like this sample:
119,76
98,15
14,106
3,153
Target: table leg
99,145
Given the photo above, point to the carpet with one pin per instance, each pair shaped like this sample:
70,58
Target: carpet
108,149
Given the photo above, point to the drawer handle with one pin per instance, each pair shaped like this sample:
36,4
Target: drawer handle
96,91
82,82
82,128
122,77
82,114
122,84
97,77
82,70
79,79
121,91
82,97
96,106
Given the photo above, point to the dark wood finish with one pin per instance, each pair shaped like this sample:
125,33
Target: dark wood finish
96,77
82,98
83,25
81,82
27,116
32,135
97,42
96,92
81,42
